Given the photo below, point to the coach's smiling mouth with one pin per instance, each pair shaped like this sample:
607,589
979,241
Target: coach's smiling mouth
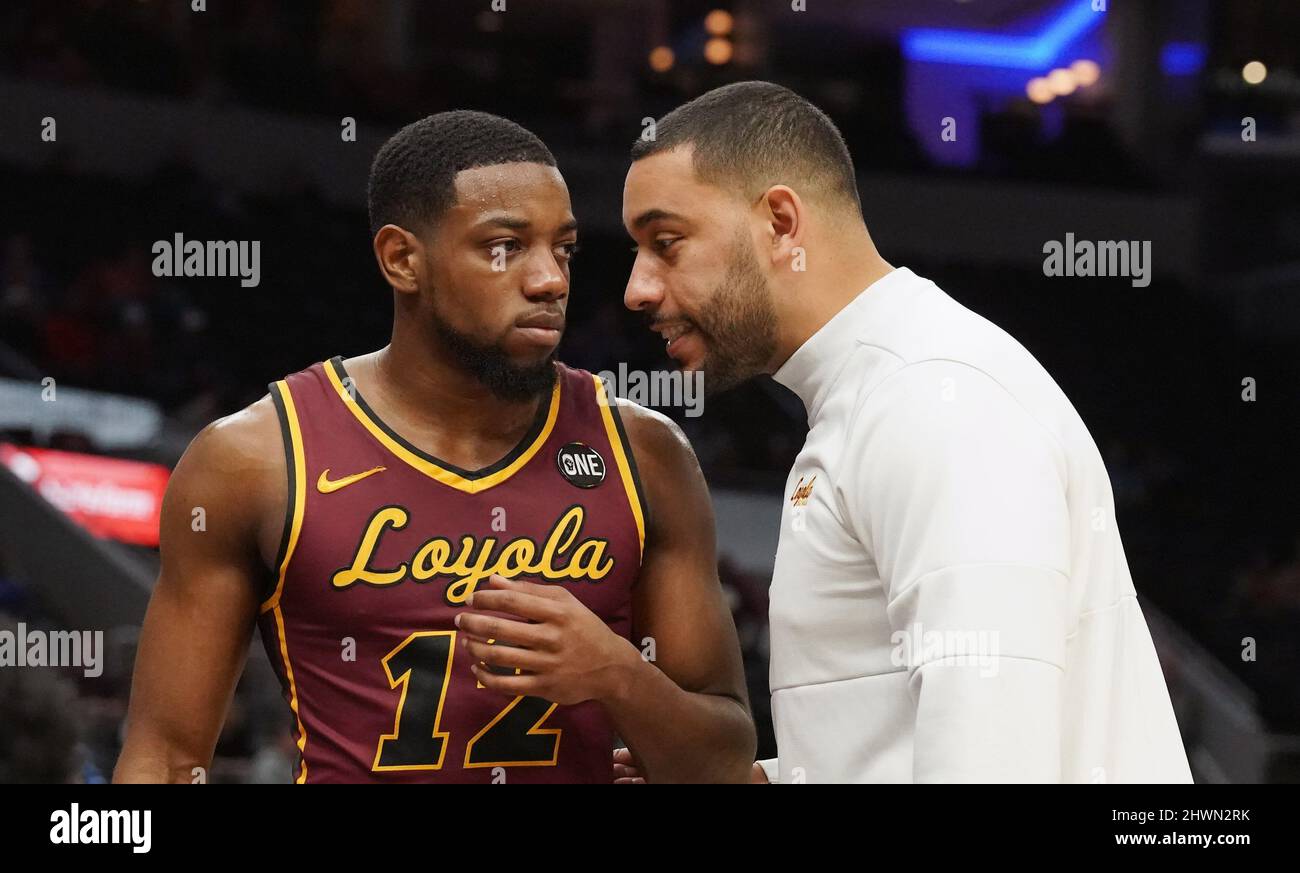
675,336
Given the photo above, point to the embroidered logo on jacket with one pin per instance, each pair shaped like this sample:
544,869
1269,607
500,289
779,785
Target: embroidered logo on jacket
802,492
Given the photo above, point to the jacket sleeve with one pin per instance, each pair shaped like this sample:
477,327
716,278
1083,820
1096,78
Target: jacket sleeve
960,495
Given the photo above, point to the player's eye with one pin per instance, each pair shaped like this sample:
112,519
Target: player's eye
569,250
507,246
664,243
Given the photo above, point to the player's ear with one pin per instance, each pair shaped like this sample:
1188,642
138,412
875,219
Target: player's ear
399,254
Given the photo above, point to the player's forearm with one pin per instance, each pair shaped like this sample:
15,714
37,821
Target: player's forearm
678,735
158,763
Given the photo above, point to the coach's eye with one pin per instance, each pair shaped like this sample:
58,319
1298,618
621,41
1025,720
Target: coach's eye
662,245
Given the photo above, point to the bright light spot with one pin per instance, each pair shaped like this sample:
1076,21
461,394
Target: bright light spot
1254,73
717,50
1039,91
1085,72
662,59
1062,82
719,22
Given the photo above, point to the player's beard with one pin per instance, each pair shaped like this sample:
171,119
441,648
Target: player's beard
491,364
738,322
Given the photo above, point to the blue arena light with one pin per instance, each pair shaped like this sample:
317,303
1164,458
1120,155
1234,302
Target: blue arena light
1032,52
1182,58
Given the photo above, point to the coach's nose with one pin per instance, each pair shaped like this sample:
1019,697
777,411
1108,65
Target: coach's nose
645,287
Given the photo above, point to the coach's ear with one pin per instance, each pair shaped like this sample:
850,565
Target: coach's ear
398,253
786,220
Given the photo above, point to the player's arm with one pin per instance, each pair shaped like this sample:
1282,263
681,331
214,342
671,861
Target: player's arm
961,495
215,523
684,716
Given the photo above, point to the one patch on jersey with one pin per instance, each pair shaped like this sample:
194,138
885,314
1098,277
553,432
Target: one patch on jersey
581,465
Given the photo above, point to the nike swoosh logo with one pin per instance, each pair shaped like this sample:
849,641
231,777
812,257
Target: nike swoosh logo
325,486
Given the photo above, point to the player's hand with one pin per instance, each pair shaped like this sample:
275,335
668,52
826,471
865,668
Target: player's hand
626,771
565,652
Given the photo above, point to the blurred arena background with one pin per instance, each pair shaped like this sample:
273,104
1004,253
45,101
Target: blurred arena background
1176,123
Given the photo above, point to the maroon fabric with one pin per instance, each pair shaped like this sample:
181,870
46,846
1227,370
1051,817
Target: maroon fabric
346,706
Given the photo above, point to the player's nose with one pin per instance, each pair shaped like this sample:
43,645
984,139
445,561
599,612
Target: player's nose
545,280
645,288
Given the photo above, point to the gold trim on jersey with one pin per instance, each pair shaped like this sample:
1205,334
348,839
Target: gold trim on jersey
435,471
298,496
620,457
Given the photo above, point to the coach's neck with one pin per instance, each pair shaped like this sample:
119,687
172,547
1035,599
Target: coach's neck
840,262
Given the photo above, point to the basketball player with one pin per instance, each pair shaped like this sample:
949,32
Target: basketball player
448,544
951,600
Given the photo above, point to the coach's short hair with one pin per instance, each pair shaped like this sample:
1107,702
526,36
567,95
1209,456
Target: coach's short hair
412,179
749,136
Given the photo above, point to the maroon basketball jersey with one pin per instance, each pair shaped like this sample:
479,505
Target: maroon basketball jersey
383,544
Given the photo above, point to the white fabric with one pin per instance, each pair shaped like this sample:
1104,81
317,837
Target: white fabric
953,603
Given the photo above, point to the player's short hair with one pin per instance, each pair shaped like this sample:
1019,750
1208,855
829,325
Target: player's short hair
748,136
412,177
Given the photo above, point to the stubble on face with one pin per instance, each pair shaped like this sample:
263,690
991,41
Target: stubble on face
738,322
491,364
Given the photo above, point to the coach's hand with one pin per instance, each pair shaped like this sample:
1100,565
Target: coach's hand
565,652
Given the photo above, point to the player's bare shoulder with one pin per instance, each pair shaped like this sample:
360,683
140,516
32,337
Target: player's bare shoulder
244,447
233,478
654,436
669,470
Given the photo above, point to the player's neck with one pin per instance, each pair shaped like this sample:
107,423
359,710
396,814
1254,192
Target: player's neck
438,396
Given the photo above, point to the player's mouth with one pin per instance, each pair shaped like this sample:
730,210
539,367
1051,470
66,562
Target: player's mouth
542,328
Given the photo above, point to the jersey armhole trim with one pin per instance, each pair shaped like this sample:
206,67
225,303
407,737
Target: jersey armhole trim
296,493
624,457
296,503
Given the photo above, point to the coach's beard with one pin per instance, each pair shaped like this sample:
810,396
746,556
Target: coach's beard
738,322
491,365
